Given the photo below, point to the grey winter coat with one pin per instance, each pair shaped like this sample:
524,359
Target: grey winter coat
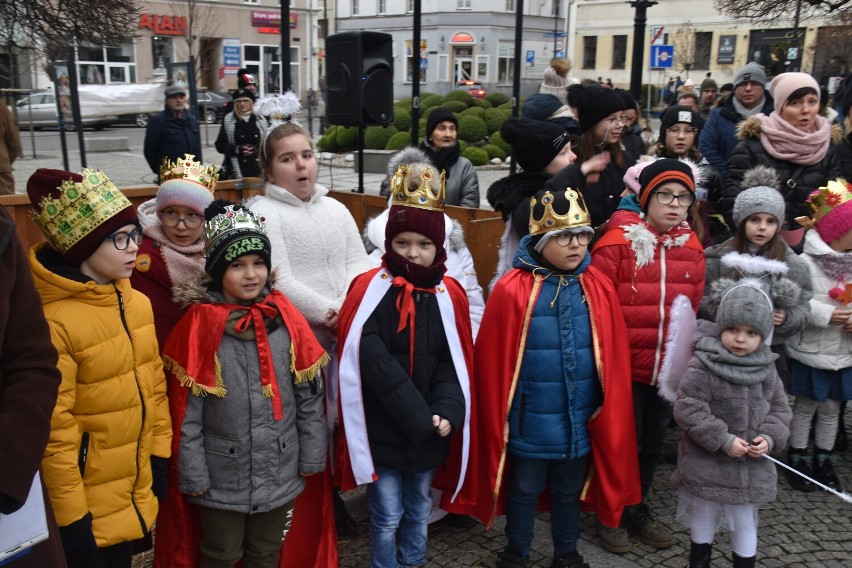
743,397
234,449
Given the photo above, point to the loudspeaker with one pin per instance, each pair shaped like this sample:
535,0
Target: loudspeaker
359,78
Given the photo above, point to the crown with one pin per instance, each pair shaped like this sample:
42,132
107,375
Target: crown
231,221
823,200
81,208
424,197
550,220
191,170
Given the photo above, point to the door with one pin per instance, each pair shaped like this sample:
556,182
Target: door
463,62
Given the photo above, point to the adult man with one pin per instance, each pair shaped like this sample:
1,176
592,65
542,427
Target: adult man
719,135
10,148
172,133
708,92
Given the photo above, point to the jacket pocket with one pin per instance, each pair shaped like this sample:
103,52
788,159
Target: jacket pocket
223,463
83,454
288,458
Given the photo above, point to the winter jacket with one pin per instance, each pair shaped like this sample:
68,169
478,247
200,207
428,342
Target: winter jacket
790,291
231,446
649,270
797,182
233,135
548,108
10,149
822,345
718,136
112,414
711,409
844,156
558,387
167,136
603,196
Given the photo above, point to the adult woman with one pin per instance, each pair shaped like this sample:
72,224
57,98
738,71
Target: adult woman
795,141
240,137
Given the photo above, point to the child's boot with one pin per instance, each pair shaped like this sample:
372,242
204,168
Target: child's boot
511,559
346,525
640,520
615,539
824,469
740,562
570,560
798,460
700,554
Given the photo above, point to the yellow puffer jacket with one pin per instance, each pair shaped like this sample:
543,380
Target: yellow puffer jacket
113,392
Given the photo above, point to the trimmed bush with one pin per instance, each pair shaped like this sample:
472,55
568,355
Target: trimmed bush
477,156
497,140
462,145
402,118
328,142
474,111
398,141
494,119
376,137
347,138
429,101
472,128
496,99
406,102
482,103
508,106
494,151
455,106
461,96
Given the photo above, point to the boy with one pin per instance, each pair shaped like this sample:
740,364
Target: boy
110,432
551,345
404,388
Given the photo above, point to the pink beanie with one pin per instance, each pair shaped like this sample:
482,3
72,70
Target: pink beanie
831,208
183,192
836,222
784,84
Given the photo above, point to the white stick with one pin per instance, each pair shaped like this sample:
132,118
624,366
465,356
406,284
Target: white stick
843,496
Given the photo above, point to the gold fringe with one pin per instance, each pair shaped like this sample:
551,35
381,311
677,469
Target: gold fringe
309,373
588,482
267,391
186,380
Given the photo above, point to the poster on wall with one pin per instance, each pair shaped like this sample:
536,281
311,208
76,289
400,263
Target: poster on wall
727,47
62,86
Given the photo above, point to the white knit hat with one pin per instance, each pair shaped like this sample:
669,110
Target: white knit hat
554,84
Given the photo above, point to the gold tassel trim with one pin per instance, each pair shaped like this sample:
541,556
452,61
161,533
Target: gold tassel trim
309,373
267,391
186,380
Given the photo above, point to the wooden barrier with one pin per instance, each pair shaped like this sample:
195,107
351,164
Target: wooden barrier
482,228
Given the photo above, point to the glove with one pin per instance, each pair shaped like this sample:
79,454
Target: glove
79,541
160,474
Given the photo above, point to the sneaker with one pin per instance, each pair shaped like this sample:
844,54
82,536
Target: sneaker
798,460
570,560
640,520
824,469
613,539
509,559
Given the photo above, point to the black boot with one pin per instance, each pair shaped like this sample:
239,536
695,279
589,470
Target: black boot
798,460
824,469
700,554
511,559
740,562
346,526
570,560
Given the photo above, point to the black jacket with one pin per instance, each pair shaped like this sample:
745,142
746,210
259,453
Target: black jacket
172,137
844,157
603,196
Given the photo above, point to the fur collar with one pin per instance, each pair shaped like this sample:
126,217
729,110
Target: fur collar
505,194
194,290
644,241
750,128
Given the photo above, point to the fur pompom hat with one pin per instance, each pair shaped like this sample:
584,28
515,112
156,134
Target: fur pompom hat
760,197
555,80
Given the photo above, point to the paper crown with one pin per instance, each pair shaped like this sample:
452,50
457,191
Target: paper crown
187,168
231,221
824,200
81,208
423,196
576,215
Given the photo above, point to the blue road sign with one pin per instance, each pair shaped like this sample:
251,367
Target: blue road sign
530,57
662,56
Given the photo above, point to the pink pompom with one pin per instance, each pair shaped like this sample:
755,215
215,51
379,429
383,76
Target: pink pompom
835,293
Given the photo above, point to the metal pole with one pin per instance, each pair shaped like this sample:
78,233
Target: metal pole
285,46
75,107
415,72
516,80
639,21
792,66
556,6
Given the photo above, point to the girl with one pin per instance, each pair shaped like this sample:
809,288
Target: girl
240,137
733,410
821,366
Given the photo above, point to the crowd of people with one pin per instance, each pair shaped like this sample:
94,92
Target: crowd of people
220,370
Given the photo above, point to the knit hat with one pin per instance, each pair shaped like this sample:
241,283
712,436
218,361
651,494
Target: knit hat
554,84
745,304
726,88
436,117
231,231
832,210
594,103
676,114
753,71
626,98
173,90
783,85
760,197
417,203
245,78
708,84
534,143
186,183
76,212
243,94
662,171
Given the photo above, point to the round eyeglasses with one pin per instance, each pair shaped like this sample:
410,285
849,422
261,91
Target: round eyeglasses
564,239
667,198
172,219
121,240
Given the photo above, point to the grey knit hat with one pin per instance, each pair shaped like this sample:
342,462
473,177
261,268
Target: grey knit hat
554,84
753,71
760,197
744,304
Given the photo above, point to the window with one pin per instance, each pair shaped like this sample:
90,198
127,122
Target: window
113,64
413,61
482,67
590,51
383,6
556,8
354,7
506,63
409,6
510,5
462,4
251,1
619,51
703,41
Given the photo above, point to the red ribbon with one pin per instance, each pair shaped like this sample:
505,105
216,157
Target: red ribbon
256,313
405,306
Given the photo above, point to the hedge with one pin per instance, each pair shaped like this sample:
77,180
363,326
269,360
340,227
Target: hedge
477,156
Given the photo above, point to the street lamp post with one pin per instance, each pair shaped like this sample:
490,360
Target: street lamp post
638,45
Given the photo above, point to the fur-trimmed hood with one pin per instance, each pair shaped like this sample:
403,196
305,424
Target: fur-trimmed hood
194,290
507,193
408,155
750,128
765,273
373,234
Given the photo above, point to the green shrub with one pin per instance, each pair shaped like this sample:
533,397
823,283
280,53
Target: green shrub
472,129
462,145
455,106
460,96
398,141
406,102
376,137
507,106
482,103
402,119
347,138
474,111
477,156
429,101
496,99
328,143
494,151
497,140
655,96
494,119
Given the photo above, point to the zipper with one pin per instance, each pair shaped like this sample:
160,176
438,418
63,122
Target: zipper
659,351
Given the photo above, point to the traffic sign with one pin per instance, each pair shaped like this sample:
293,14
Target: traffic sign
554,34
530,58
657,35
662,56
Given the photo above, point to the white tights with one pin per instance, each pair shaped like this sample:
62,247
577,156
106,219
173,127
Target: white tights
825,431
741,519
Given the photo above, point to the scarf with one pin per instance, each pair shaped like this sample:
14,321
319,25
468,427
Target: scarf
748,112
783,141
750,369
443,158
229,123
182,263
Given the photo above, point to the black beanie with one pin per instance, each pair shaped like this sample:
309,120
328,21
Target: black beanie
243,94
594,103
626,98
438,116
676,114
231,231
534,142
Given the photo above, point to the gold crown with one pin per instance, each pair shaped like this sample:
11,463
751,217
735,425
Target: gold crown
81,208
191,170
231,221
424,196
550,220
823,201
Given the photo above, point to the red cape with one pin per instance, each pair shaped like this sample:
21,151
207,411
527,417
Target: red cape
613,477
311,540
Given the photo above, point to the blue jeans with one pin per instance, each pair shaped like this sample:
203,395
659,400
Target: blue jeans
399,499
526,480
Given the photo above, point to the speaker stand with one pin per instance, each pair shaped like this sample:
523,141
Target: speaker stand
360,188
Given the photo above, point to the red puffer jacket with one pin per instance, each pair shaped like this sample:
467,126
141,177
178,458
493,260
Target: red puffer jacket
649,270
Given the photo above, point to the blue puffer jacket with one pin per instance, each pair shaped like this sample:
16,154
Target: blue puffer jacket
718,137
558,389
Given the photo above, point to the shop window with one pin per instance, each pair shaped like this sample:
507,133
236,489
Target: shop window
590,51
619,51
505,63
703,41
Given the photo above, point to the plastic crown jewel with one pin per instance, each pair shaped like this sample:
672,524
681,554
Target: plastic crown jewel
80,209
424,196
550,220
823,200
190,169
229,222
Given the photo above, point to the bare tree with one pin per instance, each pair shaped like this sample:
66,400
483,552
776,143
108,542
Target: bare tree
683,41
768,11
201,22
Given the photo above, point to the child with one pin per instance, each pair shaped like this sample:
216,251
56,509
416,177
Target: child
111,421
173,251
566,385
733,410
821,355
404,374
248,415
651,255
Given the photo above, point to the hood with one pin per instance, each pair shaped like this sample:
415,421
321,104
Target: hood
147,213
194,290
526,261
541,106
373,234
277,193
505,194
407,155
766,274
815,246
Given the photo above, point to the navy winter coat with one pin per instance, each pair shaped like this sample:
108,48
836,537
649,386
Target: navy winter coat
718,137
172,137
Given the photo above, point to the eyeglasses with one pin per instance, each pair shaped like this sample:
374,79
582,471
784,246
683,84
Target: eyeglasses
667,198
172,219
121,240
564,239
680,131
617,119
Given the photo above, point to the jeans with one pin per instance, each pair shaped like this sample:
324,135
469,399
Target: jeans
652,415
399,499
526,480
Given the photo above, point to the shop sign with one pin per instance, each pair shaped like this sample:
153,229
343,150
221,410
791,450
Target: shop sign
162,24
269,20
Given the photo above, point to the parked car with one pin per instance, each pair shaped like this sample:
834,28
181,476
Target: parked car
217,106
45,115
475,89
